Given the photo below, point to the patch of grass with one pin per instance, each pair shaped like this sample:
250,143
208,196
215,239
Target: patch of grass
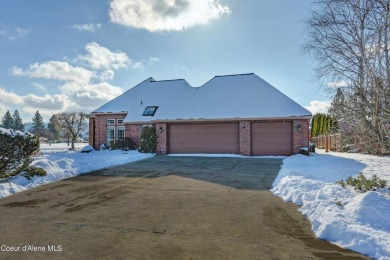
363,184
31,171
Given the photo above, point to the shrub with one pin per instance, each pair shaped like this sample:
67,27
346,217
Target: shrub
124,144
361,183
148,140
32,171
16,149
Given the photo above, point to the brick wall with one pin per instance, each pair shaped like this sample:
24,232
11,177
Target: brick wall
100,128
245,138
162,138
300,138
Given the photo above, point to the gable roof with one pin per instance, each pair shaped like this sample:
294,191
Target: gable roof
223,97
147,93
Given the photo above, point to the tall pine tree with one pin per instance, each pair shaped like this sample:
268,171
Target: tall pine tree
38,127
52,128
322,124
7,121
18,123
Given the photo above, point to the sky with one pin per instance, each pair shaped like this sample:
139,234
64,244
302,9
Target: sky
72,55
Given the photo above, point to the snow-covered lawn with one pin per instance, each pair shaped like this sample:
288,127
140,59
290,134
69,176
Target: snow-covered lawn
358,221
61,163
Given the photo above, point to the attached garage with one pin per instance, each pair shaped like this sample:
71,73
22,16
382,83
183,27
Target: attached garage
203,138
229,114
271,138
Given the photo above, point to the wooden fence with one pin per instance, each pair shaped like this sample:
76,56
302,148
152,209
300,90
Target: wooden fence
330,142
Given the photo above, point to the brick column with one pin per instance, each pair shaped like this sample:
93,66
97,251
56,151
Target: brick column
162,138
91,134
98,134
245,138
300,138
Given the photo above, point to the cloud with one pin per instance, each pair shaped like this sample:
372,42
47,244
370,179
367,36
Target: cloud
154,59
317,106
92,95
100,57
58,70
47,102
20,32
11,98
13,33
82,83
39,87
87,27
72,97
165,15
138,65
3,109
107,75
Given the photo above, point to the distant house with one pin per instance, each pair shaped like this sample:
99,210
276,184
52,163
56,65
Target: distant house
233,114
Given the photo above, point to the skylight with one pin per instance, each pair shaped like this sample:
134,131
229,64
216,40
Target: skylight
150,111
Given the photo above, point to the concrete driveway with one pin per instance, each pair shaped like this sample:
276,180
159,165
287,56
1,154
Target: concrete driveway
162,208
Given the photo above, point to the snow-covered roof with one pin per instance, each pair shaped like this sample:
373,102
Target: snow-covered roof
147,93
223,97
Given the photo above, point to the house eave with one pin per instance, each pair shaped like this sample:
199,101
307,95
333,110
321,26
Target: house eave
93,114
236,119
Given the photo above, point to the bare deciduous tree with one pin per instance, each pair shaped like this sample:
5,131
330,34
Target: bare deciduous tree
72,124
349,39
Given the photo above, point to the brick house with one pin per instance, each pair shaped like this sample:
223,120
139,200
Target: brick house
234,114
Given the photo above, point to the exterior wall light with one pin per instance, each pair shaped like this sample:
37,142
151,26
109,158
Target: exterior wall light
160,130
299,128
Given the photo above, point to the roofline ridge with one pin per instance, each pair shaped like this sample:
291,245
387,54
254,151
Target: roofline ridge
232,75
168,80
229,75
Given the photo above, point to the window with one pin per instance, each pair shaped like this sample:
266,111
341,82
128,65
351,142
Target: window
119,121
120,133
110,134
110,121
150,111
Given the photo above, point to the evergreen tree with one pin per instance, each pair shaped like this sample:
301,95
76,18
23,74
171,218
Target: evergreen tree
52,128
7,121
38,127
18,123
322,124
16,152
314,125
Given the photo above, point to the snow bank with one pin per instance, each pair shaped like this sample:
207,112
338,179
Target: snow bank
60,164
358,221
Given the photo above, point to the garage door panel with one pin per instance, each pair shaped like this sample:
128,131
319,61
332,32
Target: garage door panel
271,138
203,138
